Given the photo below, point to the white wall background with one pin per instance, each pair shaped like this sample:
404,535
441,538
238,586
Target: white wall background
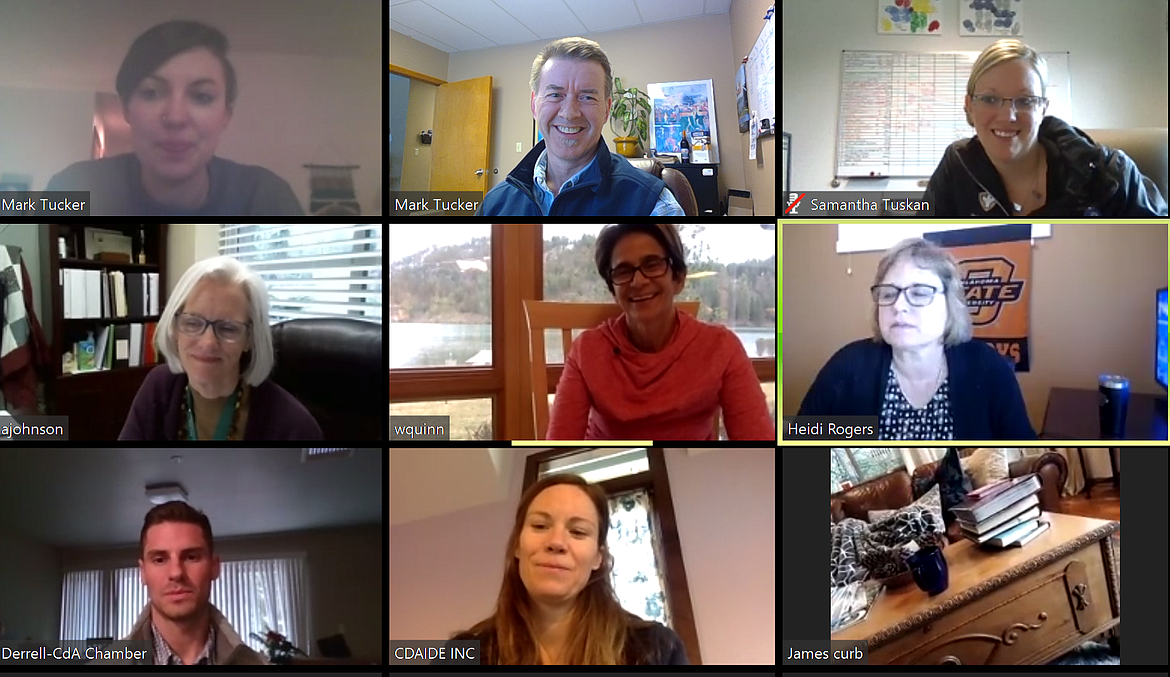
445,570
1117,64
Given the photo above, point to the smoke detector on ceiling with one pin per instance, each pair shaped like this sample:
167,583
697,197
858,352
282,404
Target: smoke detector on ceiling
165,493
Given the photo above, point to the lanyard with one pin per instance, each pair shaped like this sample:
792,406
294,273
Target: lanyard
225,416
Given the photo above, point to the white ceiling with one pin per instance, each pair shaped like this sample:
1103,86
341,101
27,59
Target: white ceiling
463,25
51,36
430,482
96,497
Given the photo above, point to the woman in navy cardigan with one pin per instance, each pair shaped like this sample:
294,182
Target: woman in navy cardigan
921,374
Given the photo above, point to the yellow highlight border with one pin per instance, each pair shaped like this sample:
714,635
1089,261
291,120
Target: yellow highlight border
1088,444
943,443
584,443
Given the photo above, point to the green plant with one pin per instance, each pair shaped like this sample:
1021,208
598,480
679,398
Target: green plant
631,108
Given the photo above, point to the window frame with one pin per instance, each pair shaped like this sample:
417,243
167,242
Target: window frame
656,482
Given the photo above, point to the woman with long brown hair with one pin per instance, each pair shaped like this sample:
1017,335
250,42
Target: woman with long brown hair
557,605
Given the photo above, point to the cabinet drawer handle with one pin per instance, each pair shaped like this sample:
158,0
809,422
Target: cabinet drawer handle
1080,591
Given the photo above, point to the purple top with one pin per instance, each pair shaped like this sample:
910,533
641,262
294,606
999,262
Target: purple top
273,414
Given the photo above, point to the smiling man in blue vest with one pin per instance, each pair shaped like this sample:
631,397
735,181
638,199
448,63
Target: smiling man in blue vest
571,171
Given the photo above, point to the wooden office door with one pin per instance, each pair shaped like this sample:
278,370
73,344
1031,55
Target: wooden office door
462,143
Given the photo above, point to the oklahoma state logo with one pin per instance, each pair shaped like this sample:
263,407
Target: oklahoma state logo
989,285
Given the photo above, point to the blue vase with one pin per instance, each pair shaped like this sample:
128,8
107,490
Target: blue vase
929,569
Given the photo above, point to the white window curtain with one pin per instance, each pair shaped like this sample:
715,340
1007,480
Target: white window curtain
253,595
637,577
313,270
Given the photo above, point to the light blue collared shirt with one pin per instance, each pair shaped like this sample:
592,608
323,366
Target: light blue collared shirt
666,205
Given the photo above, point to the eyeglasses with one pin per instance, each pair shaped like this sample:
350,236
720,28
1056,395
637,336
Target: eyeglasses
228,331
651,268
916,294
1021,104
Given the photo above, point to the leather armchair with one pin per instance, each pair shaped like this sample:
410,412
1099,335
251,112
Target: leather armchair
1145,146
675,180
336,368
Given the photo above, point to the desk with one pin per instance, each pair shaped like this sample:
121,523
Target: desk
1072,415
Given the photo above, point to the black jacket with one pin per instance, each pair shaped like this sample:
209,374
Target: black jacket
646,644
986,403
1084,179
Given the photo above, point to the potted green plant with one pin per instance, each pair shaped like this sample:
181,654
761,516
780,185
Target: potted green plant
631,110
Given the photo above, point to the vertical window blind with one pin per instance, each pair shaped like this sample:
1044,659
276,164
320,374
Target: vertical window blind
312,270
253,595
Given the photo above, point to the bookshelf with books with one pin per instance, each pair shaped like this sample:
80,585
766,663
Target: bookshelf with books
108,287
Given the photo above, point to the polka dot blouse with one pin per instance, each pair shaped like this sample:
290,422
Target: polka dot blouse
899,420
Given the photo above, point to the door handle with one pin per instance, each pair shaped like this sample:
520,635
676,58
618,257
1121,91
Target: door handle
479,172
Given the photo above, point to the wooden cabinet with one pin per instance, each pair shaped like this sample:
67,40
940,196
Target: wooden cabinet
1014,606
705,182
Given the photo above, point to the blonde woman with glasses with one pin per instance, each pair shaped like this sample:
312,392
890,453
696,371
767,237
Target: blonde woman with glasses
1023,163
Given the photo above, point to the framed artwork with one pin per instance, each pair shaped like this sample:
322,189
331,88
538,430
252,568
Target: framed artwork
910,17
987,18
679,107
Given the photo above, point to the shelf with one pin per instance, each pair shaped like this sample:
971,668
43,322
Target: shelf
109,320
120,370
87,264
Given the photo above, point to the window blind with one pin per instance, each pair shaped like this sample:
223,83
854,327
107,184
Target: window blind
312,270
251,594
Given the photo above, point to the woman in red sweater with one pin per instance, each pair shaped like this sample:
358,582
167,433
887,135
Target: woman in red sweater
654,373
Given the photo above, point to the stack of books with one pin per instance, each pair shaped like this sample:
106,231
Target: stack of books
1003,514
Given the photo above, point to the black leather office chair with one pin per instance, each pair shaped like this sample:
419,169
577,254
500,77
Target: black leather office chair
335,367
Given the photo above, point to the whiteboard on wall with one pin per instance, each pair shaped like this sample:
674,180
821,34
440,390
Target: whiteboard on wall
761,74
878,237
900,110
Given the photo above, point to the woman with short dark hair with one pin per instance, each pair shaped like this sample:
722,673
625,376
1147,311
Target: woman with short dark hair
178,92
654,372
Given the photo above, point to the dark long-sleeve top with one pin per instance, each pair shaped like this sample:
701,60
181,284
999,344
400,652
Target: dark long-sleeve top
274,414
986,403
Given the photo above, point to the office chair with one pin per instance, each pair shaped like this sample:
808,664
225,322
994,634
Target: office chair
1145,146
335,367
675,180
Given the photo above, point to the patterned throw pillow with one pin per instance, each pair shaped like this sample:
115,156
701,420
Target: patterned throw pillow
988,465
932,501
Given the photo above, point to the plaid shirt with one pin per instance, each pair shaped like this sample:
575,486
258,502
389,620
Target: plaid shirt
164,656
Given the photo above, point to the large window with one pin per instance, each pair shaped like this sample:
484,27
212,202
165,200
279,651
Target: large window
313,270
850,467
471,419
440,296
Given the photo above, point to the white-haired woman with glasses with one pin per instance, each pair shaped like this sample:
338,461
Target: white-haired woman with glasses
921,374
215,337
1021,163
